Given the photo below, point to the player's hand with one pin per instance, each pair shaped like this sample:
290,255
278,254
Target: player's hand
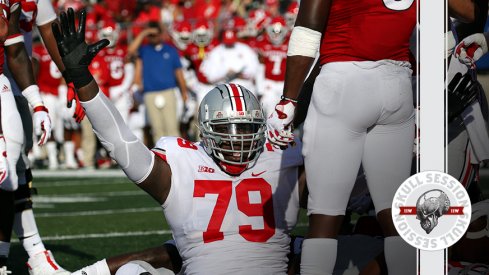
471,49
279,123
462,91
74,51
42,124
71,96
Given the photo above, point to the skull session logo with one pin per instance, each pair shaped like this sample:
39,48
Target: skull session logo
431,210
430,206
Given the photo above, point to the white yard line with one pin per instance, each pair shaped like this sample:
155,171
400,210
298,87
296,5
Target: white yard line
97,194
102,235
63,183
80,173
98,212
113,235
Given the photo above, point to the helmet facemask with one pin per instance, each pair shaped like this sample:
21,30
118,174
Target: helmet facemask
202,37
111,34
181,34
234,139
182,39
276,33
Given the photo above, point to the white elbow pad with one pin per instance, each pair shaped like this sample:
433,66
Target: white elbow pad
131,154
304,41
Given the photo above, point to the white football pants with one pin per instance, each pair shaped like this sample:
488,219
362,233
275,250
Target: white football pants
360,112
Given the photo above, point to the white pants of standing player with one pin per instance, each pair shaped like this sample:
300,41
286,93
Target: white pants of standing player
360,113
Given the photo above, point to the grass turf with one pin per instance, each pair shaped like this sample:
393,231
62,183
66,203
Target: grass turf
83,220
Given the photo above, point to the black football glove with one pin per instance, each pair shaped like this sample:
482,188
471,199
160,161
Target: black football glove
462,91
74,51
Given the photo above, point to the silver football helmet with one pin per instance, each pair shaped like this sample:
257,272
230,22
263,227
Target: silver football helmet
109,31
232,126
277,30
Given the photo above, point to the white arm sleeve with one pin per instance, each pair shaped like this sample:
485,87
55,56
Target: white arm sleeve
123,146
45,12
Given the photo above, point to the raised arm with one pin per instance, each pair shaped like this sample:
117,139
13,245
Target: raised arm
151,173
46,16
136,43
20,66
18,60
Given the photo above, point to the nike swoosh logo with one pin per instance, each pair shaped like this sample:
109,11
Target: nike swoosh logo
256,175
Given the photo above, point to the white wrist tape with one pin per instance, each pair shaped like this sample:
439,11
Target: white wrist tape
33,96
123,146
304,41
14,40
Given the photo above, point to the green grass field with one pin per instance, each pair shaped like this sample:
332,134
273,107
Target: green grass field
85,219
82,220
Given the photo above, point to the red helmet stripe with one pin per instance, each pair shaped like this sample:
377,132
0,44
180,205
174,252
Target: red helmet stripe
237,97
241,98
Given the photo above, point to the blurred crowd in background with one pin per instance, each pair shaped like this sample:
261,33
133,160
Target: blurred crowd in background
164,55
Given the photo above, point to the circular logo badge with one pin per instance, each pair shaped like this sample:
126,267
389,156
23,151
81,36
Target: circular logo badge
431,210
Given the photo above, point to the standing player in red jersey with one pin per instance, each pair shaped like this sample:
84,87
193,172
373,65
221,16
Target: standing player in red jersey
291,13
257,20
203,43
273,54
361,112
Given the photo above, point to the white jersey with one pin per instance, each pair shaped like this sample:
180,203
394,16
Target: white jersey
239,59
38,12
231,225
